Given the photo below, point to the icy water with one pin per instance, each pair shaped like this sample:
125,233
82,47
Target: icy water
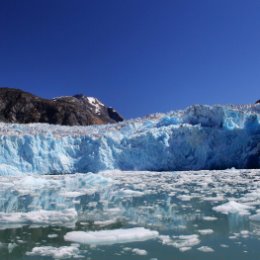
131,215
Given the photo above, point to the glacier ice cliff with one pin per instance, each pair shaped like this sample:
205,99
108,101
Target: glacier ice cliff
199,137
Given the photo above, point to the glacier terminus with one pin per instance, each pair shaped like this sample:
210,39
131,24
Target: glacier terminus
199,137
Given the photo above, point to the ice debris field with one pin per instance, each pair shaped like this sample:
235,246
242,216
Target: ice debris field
200,137
131,215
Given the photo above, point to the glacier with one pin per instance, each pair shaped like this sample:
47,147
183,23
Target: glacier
199,137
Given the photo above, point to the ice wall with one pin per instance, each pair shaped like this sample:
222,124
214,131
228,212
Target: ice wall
200,137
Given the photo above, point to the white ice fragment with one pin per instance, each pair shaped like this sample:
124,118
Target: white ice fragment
109,237
40,217
206,249
205,231
184,197
214,199
52,235
138,251
184,248
209,218
105,222
187,241
224,245
127,249
244,233
62,252
182,242
166,240
233,207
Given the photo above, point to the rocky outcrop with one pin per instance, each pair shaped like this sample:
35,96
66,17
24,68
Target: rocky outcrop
17,106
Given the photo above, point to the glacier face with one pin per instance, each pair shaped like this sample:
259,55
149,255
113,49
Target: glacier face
200,137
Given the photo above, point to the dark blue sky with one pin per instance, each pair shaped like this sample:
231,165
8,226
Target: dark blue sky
139,56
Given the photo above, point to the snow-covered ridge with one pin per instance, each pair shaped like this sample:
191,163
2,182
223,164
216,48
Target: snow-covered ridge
95,104
200,137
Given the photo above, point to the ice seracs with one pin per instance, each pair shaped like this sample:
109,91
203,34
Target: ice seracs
200,137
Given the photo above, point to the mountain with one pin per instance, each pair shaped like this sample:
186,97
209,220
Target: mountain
17,106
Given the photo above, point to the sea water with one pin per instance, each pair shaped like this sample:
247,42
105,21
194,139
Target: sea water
189,215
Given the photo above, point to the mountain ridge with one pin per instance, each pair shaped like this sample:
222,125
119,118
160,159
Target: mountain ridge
18,106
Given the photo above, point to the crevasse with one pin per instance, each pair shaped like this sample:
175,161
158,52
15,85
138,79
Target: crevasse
200,137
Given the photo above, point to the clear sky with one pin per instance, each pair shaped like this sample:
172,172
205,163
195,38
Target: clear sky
139,56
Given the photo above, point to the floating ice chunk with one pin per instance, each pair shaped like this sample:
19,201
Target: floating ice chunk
244,233
138,251
233,237
105,222
184,197
109,237
214,199
185,248
166,240
206,249
182,242
62,252
206,231
40,217
209,218
52,235
127,249
187,241
233,207
224,245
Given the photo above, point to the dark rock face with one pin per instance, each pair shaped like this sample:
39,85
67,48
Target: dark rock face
17,106
258,101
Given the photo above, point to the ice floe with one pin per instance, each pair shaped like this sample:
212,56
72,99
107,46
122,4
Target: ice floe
206,249
62,252
108,237
182,242
233,207
206,231
138,251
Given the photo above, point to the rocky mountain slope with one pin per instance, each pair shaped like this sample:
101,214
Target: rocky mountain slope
17,106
